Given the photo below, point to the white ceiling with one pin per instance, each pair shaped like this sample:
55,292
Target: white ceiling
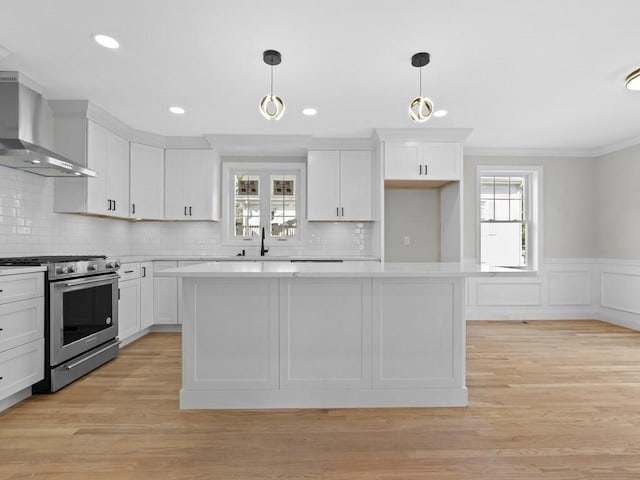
544,74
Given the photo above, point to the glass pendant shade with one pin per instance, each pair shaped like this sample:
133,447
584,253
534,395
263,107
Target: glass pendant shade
420,109
271,107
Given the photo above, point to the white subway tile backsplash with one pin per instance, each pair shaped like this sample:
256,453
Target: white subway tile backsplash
29,226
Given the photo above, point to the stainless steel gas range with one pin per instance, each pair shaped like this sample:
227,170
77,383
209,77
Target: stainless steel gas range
81,315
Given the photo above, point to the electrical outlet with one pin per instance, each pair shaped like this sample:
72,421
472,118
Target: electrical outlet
407,240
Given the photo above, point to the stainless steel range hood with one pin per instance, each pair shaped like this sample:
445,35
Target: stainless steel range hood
26,132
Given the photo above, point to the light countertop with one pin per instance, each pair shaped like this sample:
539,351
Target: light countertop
346,269
235,258
20,269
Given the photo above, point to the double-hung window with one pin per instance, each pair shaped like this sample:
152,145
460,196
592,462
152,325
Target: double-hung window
262,195
510,217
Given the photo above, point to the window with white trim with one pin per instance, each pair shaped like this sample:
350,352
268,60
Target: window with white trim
509,216
261,195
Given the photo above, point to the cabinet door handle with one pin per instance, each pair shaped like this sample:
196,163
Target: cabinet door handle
133,208
420,169
144,272
337,211
343,211
425,168
114,206
189,211
118,294
185,211
109,207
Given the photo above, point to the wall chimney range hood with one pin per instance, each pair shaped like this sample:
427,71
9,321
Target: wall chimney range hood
26,132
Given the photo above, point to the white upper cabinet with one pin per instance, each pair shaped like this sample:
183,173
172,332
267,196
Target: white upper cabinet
101,150
340,186
192,185
146,182
422,161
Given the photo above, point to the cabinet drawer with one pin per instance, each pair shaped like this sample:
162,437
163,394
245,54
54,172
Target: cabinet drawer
129,271
21,287
21,322
21,367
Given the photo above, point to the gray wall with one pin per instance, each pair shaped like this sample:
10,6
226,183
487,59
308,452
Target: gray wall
617,209
569,202
416,213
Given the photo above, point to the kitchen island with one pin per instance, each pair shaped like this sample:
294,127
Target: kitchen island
319,335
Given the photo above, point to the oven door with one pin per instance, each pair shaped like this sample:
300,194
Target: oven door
83,315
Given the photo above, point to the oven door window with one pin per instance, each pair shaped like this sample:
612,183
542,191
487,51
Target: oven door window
86,311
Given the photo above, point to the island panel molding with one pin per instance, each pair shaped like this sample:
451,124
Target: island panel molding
283,335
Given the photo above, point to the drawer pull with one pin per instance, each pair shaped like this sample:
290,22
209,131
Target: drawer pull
1,378
129,271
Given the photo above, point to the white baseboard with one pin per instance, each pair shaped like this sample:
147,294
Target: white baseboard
11,400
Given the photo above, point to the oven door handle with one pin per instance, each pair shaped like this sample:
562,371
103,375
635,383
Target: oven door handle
84,281
80,362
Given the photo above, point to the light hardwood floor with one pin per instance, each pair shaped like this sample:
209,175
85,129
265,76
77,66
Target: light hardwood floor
548,400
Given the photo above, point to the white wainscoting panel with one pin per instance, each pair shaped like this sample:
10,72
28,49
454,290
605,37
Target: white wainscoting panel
564,288
620,291
569,287
511,293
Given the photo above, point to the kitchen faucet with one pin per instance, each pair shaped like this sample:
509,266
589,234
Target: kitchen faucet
262,249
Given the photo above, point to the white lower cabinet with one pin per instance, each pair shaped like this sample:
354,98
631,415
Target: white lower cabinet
21,335
146,294
129,308
136,299
165,295
21,367
167,292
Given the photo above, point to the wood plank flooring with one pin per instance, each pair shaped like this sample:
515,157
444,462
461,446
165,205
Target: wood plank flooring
548,400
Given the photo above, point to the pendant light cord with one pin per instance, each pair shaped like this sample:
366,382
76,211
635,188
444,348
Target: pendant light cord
272,80
420,81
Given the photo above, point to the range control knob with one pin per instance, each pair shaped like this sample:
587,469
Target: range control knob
60,270
117,264
71,269
92,267
109,265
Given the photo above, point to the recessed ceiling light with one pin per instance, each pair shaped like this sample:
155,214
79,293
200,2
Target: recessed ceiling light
106,41
35,162
440,113
632,82
177,110
309,111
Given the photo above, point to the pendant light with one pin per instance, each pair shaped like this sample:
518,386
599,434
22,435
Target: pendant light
632,82
271,106
420,108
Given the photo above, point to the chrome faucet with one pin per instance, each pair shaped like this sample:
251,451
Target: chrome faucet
263,250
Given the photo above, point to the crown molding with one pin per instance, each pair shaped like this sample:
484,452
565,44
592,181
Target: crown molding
262,145
422,134
617,146
342,144
528,152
